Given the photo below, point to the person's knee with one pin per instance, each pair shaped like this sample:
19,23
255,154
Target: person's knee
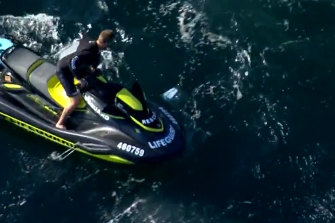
74,101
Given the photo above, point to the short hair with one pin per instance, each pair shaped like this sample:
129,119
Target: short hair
106,35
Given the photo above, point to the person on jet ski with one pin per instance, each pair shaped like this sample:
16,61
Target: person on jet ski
78,65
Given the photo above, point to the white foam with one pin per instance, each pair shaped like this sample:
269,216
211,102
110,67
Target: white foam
167,9
243,57
238,92
219,40
128,211
124,37
32,29
102,5
186,23
191,22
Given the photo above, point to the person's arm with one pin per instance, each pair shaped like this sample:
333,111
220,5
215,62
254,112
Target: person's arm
80,65
86,61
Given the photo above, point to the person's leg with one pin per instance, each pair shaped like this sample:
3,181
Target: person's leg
66,78
74,101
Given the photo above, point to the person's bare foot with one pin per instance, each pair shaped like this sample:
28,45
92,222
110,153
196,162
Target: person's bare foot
59,126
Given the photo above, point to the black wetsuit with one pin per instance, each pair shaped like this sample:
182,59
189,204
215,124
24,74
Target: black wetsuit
78,64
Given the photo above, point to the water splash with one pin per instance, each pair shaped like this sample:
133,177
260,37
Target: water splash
125,38
33,30
194,28
102,5
130,210
320,208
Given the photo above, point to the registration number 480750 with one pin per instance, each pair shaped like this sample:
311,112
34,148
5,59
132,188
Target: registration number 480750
130,149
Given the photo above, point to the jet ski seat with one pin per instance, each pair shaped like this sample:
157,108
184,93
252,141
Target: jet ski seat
43,78
38,73
20,60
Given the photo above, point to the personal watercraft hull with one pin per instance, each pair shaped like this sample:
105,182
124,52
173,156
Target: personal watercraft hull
121,139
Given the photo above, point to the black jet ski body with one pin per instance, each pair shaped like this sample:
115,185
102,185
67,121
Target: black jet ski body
111,123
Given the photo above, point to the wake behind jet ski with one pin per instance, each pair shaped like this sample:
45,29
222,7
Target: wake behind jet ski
111,123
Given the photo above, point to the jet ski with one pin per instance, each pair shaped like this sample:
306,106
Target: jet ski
112,122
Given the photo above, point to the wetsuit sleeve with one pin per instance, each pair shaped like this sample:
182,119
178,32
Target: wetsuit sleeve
79,68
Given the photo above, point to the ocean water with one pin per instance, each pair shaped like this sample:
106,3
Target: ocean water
255,99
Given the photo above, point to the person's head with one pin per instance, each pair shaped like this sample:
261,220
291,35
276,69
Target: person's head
104,38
